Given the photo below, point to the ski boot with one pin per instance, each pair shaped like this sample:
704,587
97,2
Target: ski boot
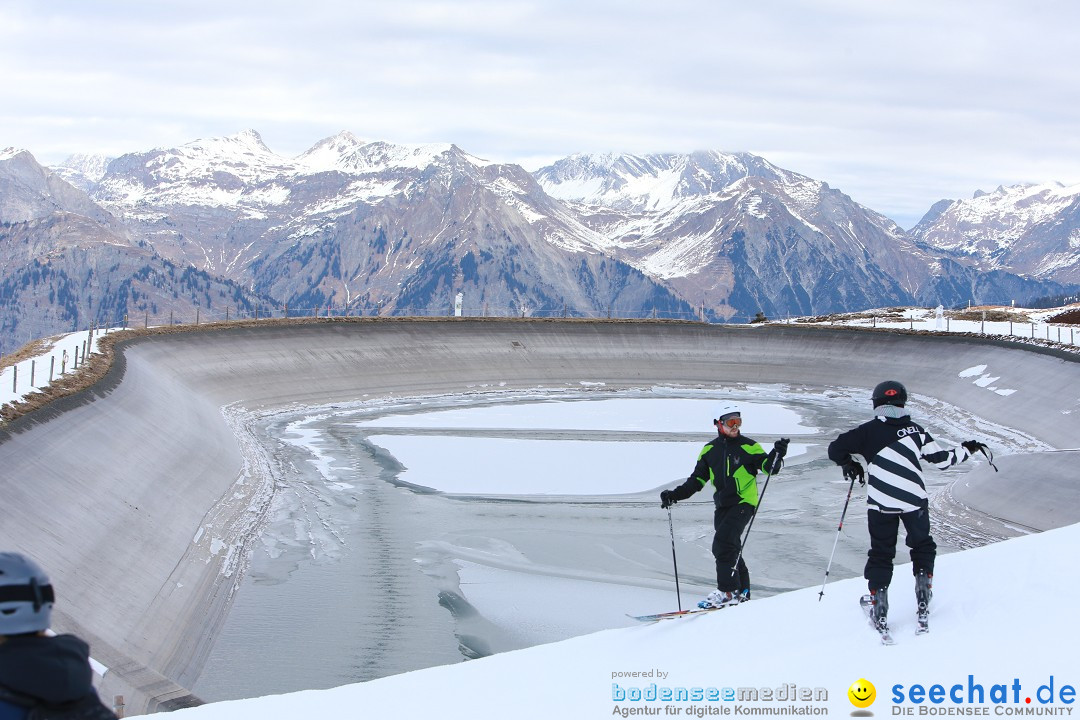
876,607
719,599
923,592
744,595
879,613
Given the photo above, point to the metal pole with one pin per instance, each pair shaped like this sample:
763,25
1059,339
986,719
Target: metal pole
742,545
838,528
671,529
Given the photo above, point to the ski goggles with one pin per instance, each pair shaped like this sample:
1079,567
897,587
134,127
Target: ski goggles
731,421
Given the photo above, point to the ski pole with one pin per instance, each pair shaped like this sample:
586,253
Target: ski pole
675,562
750,524
838,528
761,498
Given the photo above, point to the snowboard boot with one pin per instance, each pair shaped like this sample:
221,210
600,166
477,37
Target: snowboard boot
719,599
880,611
744,595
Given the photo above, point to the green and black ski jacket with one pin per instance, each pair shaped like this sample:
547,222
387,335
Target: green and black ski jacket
731,465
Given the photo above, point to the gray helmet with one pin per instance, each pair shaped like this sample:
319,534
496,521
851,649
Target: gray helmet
26,595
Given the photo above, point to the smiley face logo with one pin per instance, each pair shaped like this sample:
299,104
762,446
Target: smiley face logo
862,693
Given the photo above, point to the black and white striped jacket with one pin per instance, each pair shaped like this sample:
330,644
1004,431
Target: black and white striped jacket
894,449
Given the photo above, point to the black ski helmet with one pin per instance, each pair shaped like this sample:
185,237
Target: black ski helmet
890,392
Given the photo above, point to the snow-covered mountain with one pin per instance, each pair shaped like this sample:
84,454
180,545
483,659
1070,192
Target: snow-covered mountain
67,263
1032,230
371,226
736,228
83,171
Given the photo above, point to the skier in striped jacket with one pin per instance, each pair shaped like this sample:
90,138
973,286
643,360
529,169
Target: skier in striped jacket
895,448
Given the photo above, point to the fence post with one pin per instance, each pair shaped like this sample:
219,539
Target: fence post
14,378
33,367
118,706
226,313
146,320
196,317
52,366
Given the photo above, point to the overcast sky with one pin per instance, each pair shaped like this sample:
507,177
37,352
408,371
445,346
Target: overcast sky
898,104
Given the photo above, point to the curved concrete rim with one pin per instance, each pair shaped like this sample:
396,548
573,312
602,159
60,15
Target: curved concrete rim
112,490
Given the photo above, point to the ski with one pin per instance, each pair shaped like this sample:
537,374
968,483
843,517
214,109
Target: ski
673,614
867,604
922,623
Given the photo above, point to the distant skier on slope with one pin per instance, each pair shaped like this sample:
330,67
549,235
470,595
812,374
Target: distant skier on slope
731,463
893,446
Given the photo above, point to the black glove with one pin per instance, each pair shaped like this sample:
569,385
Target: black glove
973,446
854,471
773,462
667,499
780,447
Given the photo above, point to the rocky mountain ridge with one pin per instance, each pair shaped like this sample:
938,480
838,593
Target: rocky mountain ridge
373,226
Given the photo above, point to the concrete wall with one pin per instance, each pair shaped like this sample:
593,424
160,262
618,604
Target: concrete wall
115,491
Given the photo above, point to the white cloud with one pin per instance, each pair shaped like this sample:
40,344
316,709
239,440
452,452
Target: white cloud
897,104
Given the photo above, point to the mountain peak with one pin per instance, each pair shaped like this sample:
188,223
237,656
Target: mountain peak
244,147
9,153
90,167
654,182
333,153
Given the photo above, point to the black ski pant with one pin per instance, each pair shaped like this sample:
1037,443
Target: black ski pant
883,531
729,523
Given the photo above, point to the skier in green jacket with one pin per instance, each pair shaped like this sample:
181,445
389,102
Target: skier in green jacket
731,462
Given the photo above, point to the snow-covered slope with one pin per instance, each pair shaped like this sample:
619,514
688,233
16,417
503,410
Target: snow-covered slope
1001,644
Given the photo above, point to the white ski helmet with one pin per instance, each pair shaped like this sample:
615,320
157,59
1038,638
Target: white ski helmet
728,409
26,596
